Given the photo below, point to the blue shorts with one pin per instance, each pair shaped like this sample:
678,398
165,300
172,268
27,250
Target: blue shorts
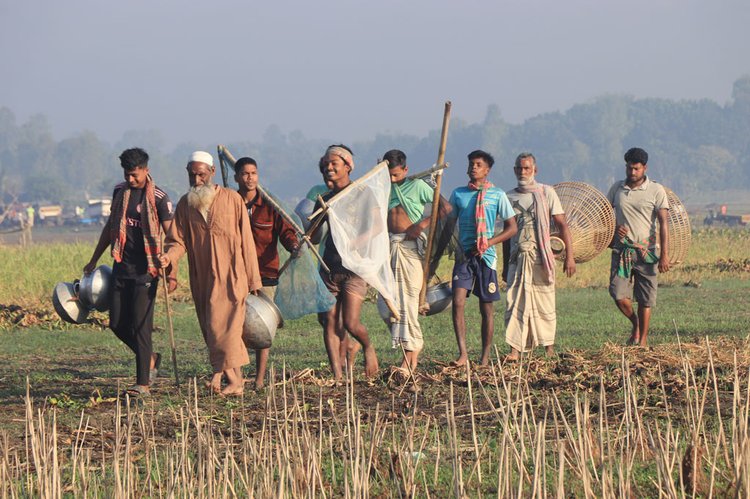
474,274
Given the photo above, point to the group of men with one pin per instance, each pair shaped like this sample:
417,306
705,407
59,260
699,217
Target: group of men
231,239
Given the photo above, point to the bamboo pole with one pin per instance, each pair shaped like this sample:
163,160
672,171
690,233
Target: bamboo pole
224,153
428,172
171,328
375,169
222,166
423,306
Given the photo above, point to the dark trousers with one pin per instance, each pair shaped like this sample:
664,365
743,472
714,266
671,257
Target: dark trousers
131,317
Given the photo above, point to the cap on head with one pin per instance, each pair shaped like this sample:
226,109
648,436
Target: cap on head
201,157
636,155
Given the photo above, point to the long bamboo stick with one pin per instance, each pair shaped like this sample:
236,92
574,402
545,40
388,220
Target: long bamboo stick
428,172
375,169
423,306
224,153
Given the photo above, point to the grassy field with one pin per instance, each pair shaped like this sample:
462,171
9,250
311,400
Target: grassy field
598,420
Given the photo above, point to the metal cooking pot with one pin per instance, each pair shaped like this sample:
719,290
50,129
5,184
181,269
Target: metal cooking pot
439,297
93,289
262,318
67,305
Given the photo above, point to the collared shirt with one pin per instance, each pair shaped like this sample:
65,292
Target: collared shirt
637,209
464,201
268,229
526,215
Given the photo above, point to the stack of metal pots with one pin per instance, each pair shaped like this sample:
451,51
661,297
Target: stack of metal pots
73,301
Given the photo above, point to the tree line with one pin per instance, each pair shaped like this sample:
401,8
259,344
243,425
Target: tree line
694,146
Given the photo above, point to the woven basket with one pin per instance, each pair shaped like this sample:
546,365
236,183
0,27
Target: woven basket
590,217
679,229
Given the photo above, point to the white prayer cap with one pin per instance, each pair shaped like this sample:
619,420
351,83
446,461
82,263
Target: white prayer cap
202,157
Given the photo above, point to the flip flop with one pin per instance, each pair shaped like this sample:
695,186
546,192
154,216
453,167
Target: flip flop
154,373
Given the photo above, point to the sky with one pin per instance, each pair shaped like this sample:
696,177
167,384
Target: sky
224,71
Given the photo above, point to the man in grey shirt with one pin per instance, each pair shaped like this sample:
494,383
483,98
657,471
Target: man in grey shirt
639,204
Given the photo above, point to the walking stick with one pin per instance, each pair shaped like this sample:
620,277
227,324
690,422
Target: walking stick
171,328
423,306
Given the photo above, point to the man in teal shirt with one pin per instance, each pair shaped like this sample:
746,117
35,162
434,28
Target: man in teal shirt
477,207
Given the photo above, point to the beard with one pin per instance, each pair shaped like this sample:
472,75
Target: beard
200,197
524,182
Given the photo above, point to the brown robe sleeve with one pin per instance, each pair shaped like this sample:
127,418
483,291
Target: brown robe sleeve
248,249
174,243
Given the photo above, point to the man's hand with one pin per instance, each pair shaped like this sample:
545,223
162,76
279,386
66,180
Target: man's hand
621,231
164,260
294,254
255,292
569,266
663,265
89,267
413,232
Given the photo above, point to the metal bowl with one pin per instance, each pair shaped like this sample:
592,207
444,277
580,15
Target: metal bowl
67,305
439,297
93,289
262,318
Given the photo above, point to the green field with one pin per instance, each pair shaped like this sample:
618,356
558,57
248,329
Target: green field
603,416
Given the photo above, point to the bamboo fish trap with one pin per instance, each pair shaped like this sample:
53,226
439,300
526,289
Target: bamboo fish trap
679,229
590,217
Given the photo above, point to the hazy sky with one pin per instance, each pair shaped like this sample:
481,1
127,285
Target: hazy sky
222,71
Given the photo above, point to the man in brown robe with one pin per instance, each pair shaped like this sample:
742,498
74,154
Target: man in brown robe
211,225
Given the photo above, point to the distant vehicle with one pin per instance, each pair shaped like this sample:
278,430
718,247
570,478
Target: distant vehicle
723,218
97,211
51,214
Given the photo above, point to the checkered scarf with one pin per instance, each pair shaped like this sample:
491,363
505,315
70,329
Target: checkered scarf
483,234
149,226
631,252
542,226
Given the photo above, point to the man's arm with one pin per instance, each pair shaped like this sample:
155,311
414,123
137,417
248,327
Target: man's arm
287,234
569,266
663,214
105,240
171,271
509,230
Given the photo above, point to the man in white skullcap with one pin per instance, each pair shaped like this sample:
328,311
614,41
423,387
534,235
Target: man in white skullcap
211,225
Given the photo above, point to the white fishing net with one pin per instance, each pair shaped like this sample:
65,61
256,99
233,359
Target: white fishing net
358,221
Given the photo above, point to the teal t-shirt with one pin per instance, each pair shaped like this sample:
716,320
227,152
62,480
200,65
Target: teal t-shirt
464,201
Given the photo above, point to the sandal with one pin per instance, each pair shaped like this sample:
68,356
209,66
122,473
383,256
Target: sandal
154,373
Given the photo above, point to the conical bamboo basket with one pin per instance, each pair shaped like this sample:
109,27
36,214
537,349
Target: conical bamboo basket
590,217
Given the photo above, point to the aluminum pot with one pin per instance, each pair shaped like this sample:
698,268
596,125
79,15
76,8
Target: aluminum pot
67,305
262,318
94,289
439,297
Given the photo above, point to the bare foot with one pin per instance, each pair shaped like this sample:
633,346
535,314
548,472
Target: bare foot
233,390
484,360
512,357
371,362
259,383
635,335
460,361
215,384
549,350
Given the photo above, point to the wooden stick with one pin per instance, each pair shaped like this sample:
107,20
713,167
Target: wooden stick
171,328
375,169
428,172
222,166
224,153
423,306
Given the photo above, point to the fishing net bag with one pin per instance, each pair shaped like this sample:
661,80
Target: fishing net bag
590,217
